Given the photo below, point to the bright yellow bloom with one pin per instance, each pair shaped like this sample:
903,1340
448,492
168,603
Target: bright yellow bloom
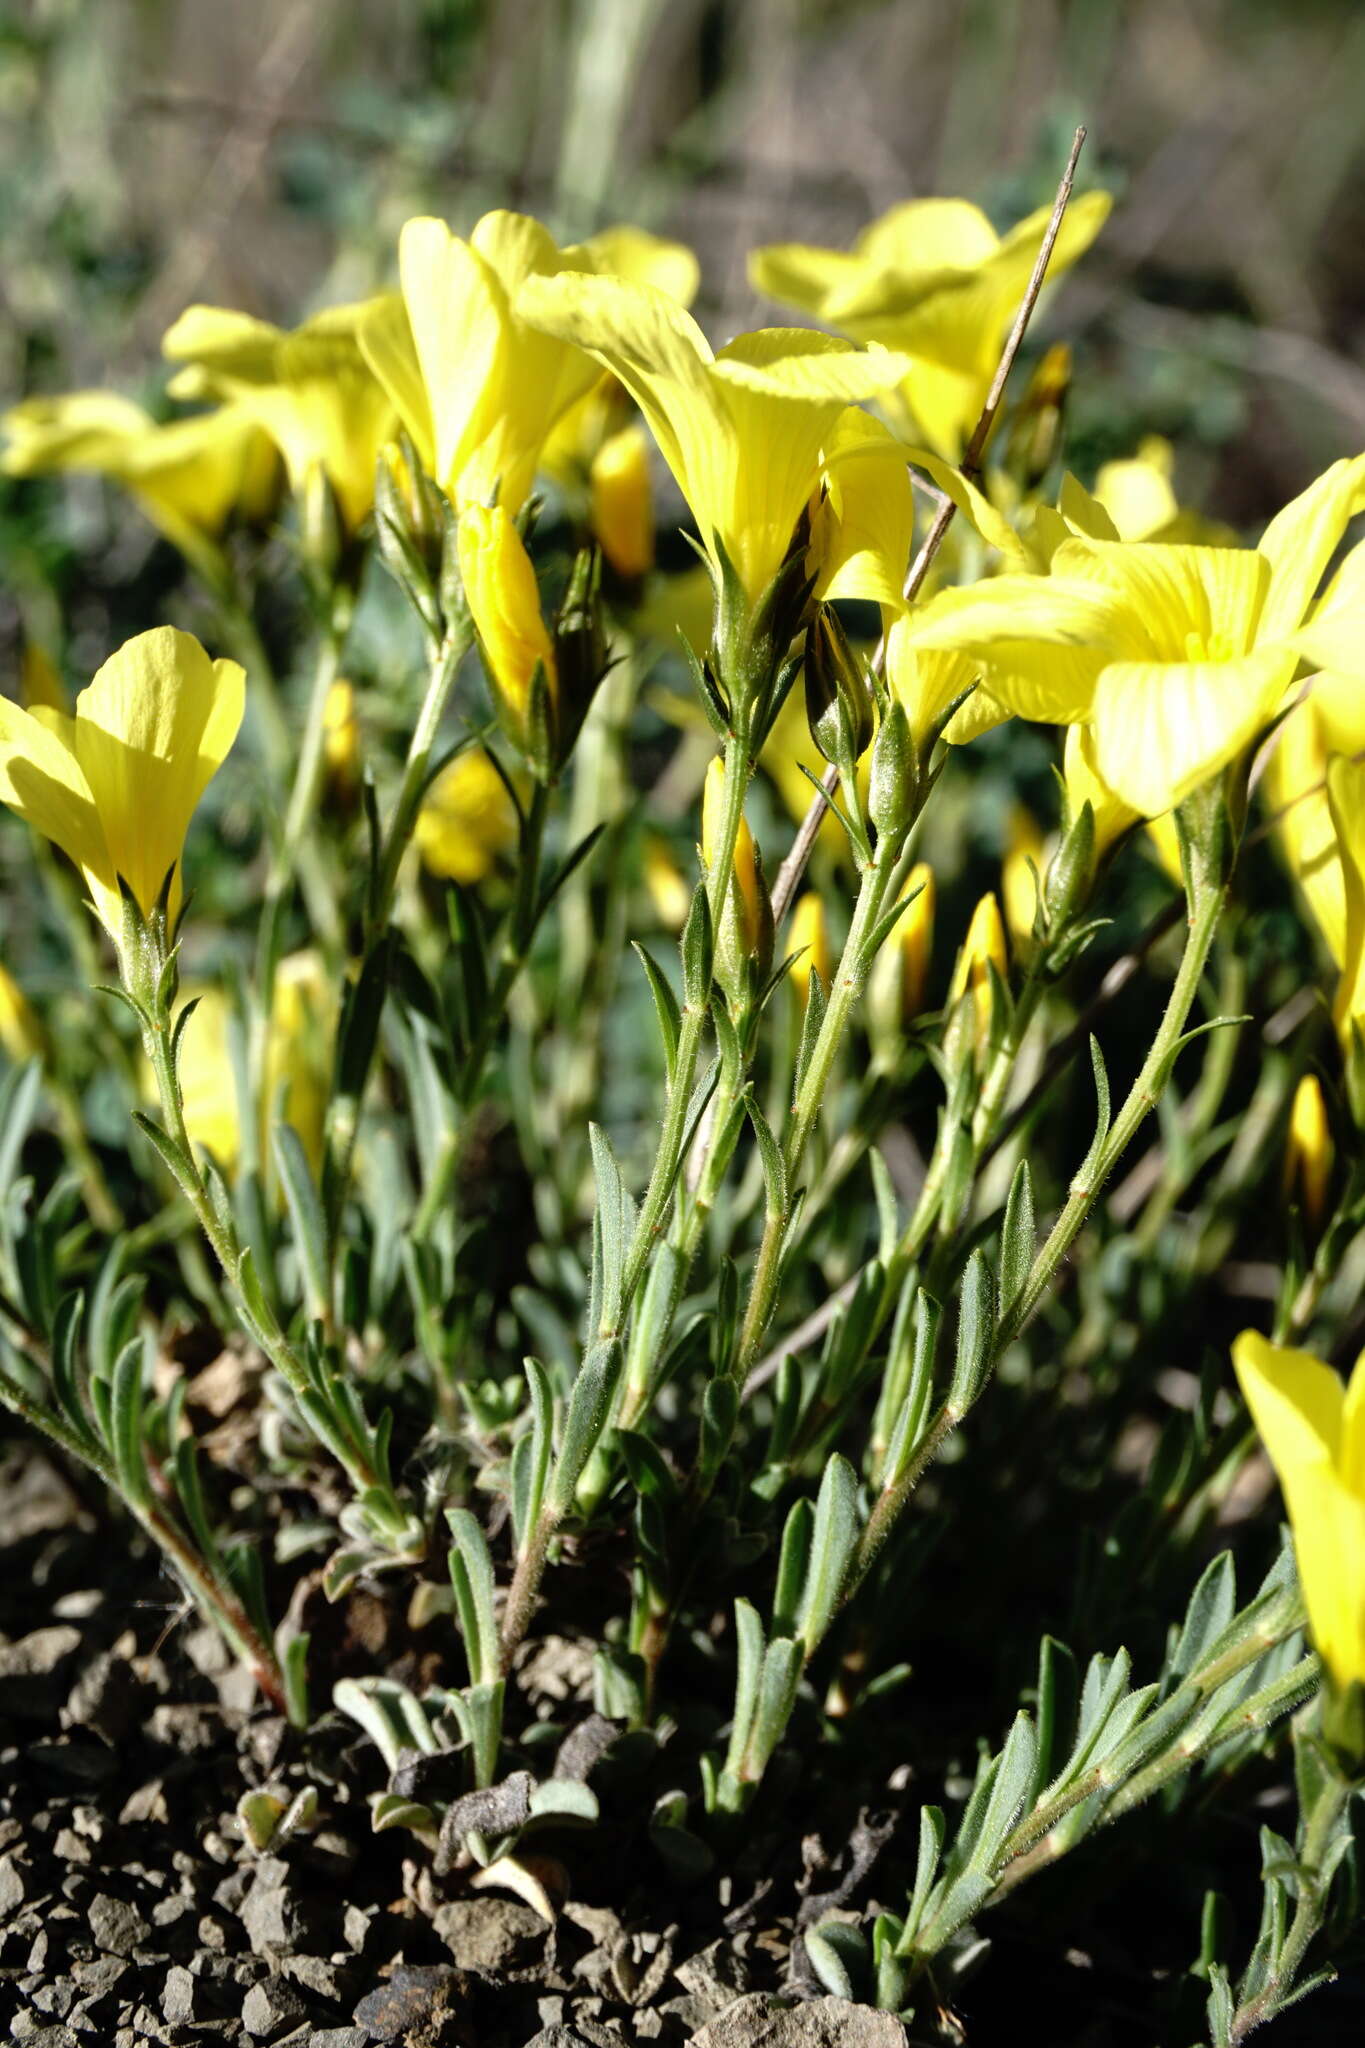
1314,1430
467,819
808,942
504,603
934,280
20,1032
574,442
744,896
40,680
742,431
1137,492
475,386
622,502
1309,1152
115,787
189,476
310,390
1021,874
1176,656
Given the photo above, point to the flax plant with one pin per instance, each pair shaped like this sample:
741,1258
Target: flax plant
684,1301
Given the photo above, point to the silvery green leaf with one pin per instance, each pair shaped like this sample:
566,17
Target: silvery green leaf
833,1540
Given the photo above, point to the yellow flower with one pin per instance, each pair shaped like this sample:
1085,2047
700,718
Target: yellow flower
933,279
742,431
808,943
1314,1430
1175,655
310,390
475,386
189,476
1084,785
623,503
504,603
115,787
1137,493
467,819
574,442
1309,1151
864,522
1335,636
928,679
20,1032
1024,866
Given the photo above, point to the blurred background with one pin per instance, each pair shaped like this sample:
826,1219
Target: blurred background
264,153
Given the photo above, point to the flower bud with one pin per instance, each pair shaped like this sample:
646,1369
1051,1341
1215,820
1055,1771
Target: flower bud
808,944
1309,1152
666,883
838,701
983,949
891,786
20,1032
504,603
1021,874
341,743
744,925
580,651
1037,423
914,939
622,513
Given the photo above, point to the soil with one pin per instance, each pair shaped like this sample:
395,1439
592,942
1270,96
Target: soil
135,1906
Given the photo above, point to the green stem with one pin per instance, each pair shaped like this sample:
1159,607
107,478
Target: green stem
458,638
738,769
847,986
1206,907
1313,1889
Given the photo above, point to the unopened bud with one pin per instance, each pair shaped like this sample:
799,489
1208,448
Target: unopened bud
983,949
1037,424
20,1032
891,787
341,743
808,943
1309,1151
667,886
1021,875
623,503
580,655
838,700
504,603
744,921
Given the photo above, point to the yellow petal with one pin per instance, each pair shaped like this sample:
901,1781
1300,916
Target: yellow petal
1136,493
1163,728
1043,640
1298,1407
1346,797
1179,602
1301,540
150,732
467,819
929,235
1335,636
642,258
387,344
971,501
862,529
797,275
1085,785
41,779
